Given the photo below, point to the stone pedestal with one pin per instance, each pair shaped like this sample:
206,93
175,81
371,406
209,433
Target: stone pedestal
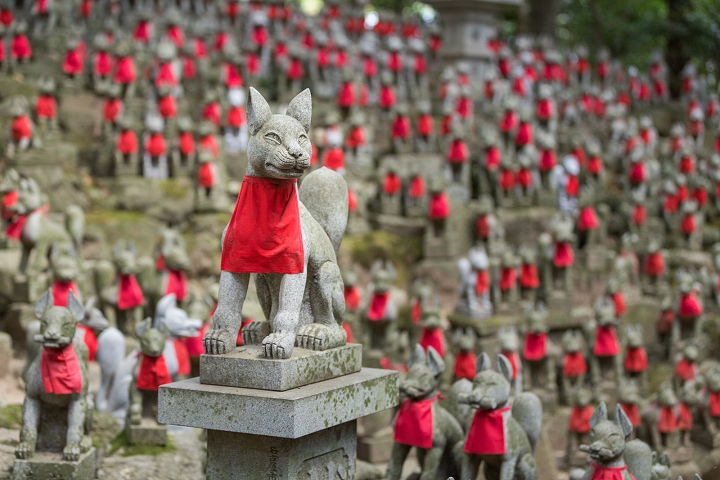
28,289
51,465
305,432
149,433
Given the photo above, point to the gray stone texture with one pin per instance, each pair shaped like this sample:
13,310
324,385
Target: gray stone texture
149,432
45,465
247,367
290,414
6,353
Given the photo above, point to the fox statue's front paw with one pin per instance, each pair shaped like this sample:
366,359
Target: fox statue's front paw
279,345
254,332
315,336
71,452
218,341
24,450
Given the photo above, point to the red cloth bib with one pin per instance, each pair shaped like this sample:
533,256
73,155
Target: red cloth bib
633,413
355,137
654,264
714,404
414,423
46,107
594,165
563,255
334,158
535,346
639,214
130,294
493,157
352,298
514,359
15,229
465,365
20,47
424,125
635,360
685,370
482,282
400,128
152,373
580,418
607,473
166,76
194,345
548,160
175,34
507,179
206,175
155,145
482,227
125,72
509,122
667,422
464,107
21,128
61,290
574,365
90,341
529,276
524,135
457,151
619,301
416,312
111,109
236,117
127,142
508,278
588,219
690,307
142,31
439,207
688,224
348,332
378,305
387,97
391,184
265,235
9,200
523,177
685,418
177,284
183,357
544,109
102,64
433,337
486,435
572,187
211,112
346,95
417,187
606,342
60,370
167,106
186,143
73,63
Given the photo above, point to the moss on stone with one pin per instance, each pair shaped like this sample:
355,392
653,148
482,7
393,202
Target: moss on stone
403,252
11,416
120,446
104,429
175,189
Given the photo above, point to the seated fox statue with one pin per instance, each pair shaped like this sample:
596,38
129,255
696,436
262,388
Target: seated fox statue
289,237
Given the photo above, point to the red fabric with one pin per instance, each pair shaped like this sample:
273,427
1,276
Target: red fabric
73,62
341,59
439,207
574,365
572,187
264,235
61,291
127,142
152,373
685,370
619,301
352,298
416,312
183,357
348,332
514,359
395,63
21,128
563,255
400,128
186,143
125,72
167,106
714,404
414,423
194,345
688,224
509,122
535,347
417,187
346,95
166,76
636,360
685,418
457,151
424,125
445,124
85,8
671,204
690,307
378,305
155,145
548,160
665,321
637,173
594,165
639,214
370,68
111,109
654,264
102,64
7,17
260,35
588,219
220,40
20,47
682,193
686,165
90,341
252,64
420,65
433,337
508,278
60,371
633,413
523,177
608,473
667,422
391,184
142,31
322,57
524,135
606,342
46,107
580,418
700,195
486,435
544,109
130,294
239,339
334,158
355,137
529,276
236,117
206,175
177,284
9,200
209,142
200,48
387,96
482,282
175,34
482,227
15,228
295,71
231,76
465,365
464,107
212,112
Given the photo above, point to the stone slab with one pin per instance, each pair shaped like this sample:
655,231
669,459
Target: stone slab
289,414
149,433
246,367
375,449
45,465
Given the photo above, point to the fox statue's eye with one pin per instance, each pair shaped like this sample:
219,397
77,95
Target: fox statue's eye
303,140
273,137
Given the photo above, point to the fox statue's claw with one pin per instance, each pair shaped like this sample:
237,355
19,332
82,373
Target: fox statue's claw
218,341
315,336
279,345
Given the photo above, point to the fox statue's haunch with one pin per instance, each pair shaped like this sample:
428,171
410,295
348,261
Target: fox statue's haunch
289,238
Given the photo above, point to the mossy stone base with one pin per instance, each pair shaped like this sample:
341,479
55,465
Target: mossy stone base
149,433
376,448
246,367
51,465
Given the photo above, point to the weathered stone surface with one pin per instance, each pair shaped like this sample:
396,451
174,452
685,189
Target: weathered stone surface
148,432
6,353
247,367
51,465
290,414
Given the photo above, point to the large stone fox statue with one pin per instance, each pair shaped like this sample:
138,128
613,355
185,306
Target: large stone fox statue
288,238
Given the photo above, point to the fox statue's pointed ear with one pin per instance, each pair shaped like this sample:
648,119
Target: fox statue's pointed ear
435,362
483,362
418,355
76,308
258,111
623,421
505,367
300,108
598,415
45,302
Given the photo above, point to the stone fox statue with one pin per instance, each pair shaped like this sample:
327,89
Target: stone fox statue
290,242
56,384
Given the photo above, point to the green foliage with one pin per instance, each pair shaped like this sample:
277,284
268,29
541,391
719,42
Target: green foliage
120,446
11,416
